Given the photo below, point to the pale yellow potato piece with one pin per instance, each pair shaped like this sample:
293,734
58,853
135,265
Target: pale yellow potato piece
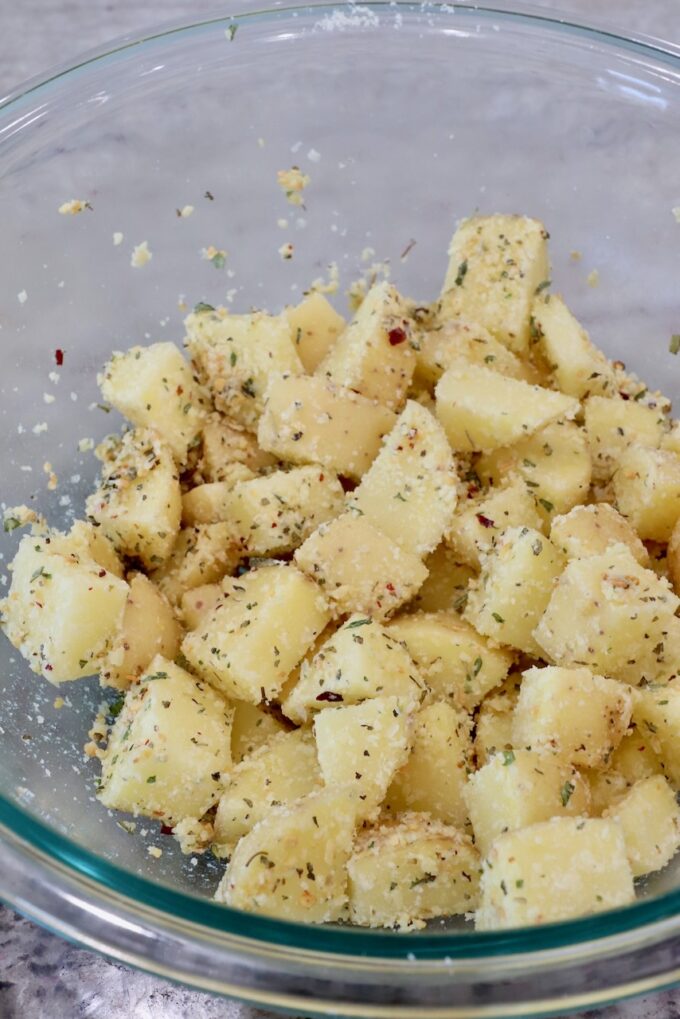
445,587
251,642
374,355
410,490
656,713
358,661
63,609
458,340
647,491
482,410
433,778
614,616
673,557
359,567
138,503
275,514
202,555
495,265
149,628
169,747
612,425
208,503
579,368
84,541
252,728
363,745
403,873
591,530
309,420
571,713
154,387
199,602
456,662
555,870
649,817
293,864
515,586
238,355
479,522
225,445
634,759
277,773
493,729
670,440
315,326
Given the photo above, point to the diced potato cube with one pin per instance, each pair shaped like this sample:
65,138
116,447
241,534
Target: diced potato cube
634,759
555,870
614,616
149,628
434,776
84,541
275,514
63,609
673,557
579,368
446,584
591,530
670,440
482,410
656,713
612,425
404,873
251,729
363,745
495,265
238,355
198,603
649,817
480,521
374,356
315,326
454,660
293,864
358,661
155,388
225,445
359,567
280,772
207,504
169,746
202,555
518,788
138,503
410,490
571,713
647,491
457,340
514,588
493,730
252,640
309,420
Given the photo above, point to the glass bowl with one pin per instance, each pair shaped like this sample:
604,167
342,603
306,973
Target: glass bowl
406,117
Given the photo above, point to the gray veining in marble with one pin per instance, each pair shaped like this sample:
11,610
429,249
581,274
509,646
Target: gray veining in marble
42,976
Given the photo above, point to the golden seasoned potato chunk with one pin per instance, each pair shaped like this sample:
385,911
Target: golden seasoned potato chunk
656,713
225,445
578,367
148,628
647,491
650,819
591,530
479,521
457,340
202,555
315,326
252,728
612,425
198,603
493,729
445,587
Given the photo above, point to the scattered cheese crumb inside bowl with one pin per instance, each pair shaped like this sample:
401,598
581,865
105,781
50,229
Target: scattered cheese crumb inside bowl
169,165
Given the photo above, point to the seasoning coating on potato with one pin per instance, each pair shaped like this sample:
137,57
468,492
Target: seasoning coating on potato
252,728
480,520
554,870
635,758
495,265
445,587
202,555
591,530
457,340
225,445
612,425
410,490
579,368
85,541
198,603
309,420
656,712
647,491
493,729
148,628
650,819
673,557
315,326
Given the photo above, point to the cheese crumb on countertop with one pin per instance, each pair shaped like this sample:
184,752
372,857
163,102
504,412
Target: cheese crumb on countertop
73,207
117,238
286,251
185,211
140,255
215,255
155,852
293,182
593,278
22,297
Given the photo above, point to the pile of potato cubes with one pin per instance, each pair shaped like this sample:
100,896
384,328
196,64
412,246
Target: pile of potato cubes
391,603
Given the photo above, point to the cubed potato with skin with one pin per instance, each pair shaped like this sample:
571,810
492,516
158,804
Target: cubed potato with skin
293,864
613,615
63,609
202,555
457,340
149,628
277,773
252,641
251,729
482,410
358,661
374,355
656,713
445,587
198,603
154,387
404,873
410,490
275,514
515,586
169,748
315,326
649,817
555,870
310,420
456,662
579,368
495,265
591,530
571,713
433,778
359,567
480,520
518,788
612,425
225,445
647,491
238,355
138,503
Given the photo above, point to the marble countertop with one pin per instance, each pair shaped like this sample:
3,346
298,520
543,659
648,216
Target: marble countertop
42,976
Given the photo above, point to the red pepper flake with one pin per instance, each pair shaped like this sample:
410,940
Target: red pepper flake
390,588
485,521
48,668
624,396
102,573
396,336
331,696
166,829
59,357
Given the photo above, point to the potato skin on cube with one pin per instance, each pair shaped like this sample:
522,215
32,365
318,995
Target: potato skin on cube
149,628
650,819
